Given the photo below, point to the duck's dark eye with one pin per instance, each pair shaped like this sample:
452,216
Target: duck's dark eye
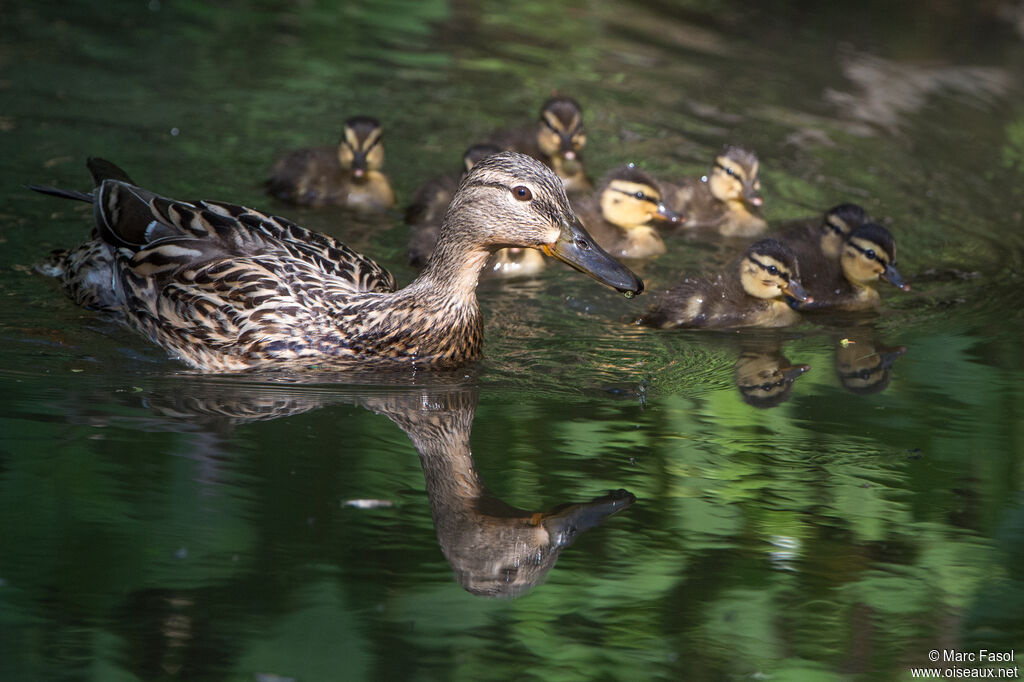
870,253
640,195
772,270
522,193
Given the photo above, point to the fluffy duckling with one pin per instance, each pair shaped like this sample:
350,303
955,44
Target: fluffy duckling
868,254
765,378
557,140
347,175
750,293
621,214
227,288
427,210
726,200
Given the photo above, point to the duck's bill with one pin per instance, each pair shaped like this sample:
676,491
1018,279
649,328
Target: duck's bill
791,373
577,248
892,276
795,291
753,197
667,215
565,524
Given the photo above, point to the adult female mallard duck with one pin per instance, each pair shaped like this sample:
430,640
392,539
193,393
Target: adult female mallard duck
557,140
750,293
227,288
868,254
726,200
346,175
426,212
621,214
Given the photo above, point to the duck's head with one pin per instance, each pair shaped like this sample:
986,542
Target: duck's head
869,253
837,224
733,177
766,379
476,153
361,148
560,132
769,270
510,200
631,198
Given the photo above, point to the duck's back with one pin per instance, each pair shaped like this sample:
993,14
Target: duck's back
311,177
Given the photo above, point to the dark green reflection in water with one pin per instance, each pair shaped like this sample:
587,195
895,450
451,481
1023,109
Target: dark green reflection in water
838,532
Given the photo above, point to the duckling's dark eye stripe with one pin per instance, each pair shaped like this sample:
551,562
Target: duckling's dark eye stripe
634,195
377,141
862,373
766,386
728,171
835,228
870,254
767,268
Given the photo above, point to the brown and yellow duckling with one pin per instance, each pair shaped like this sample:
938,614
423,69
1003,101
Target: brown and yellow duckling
868,254
347,175
227,288
557,140
764,377
426,212
752,292
726,200
622,213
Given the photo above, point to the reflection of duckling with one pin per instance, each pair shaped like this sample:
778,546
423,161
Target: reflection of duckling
725,200
750,293
346,175
427,210
495,550
557,140
864,367
765,379
227,288
869,253
620,217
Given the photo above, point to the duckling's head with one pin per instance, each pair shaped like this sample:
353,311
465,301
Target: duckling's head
734,177
869,253
866,367
509,200
769,270
560,132
766,379
631,198
361,148
476,153
837,224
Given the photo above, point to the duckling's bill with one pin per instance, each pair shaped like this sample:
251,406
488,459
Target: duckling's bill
893,277
794,290
577,248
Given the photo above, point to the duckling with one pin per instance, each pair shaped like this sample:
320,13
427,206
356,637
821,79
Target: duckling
869,253
227,288
864,366
558,141
750,293
347,175
764,377
621,214
823,237
426,212
726,200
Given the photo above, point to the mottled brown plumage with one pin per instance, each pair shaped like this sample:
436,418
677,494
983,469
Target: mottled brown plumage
348,174
817,243
749,293
228,288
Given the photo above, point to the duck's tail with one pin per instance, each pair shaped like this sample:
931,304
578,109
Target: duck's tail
63,193
101,170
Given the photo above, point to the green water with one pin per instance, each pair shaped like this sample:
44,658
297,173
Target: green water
156,524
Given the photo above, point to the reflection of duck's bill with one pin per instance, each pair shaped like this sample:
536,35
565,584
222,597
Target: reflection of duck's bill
794,290
566,523
577,248
888,355
794,372
892,276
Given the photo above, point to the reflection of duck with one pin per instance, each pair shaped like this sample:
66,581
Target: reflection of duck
864,366
347,175
427,210
750,293
621,215
765,377
869,253
495,550
227,288
557,140
725,200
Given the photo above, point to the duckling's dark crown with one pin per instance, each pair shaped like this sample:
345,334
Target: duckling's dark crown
628,173
851,214
362,125
563,108
775,249
478,152
740,155
876,234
